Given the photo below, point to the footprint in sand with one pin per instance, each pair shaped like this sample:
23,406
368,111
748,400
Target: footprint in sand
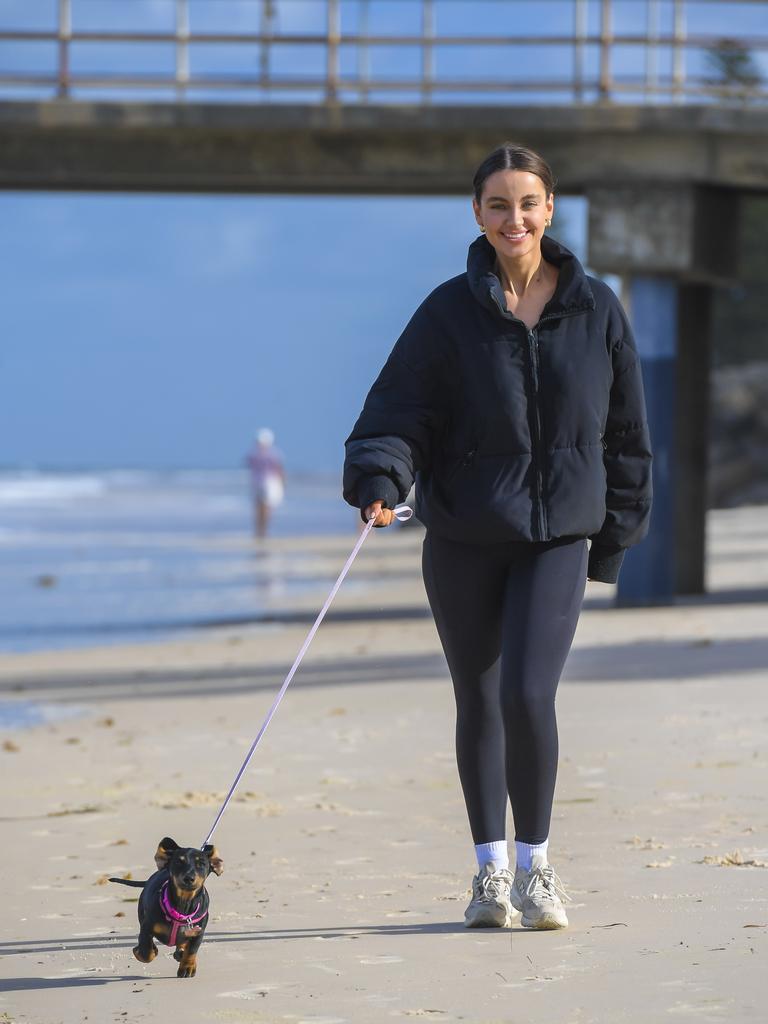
251,992
734,860
323,1020
327,969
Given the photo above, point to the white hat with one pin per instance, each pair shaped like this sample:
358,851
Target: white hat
265,436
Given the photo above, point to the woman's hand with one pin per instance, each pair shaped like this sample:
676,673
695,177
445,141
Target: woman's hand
384,516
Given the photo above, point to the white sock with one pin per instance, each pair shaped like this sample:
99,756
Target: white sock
525,852
496,851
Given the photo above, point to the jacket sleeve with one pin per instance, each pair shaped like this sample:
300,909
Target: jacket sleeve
402,415
627,458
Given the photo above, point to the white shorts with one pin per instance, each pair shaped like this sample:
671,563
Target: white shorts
269,491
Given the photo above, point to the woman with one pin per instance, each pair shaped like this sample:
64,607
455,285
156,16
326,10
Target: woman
514,398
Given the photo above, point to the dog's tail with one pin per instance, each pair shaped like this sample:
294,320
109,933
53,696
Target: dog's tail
130,881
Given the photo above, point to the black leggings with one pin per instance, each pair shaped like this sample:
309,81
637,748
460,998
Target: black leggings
506,615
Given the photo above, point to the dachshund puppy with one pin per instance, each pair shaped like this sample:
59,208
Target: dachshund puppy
173,906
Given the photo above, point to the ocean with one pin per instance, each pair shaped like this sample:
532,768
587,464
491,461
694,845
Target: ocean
129,555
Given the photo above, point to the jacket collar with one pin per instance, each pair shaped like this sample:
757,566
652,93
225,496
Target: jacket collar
572,294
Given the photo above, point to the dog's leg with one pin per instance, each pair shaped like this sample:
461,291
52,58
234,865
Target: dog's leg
188,958
146,950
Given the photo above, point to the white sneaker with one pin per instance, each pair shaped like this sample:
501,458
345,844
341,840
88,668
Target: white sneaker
490,906
538,894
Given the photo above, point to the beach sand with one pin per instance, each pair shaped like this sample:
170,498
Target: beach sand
347,854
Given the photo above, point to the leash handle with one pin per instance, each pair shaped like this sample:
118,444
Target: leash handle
402,513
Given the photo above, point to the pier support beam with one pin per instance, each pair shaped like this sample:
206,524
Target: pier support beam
671,246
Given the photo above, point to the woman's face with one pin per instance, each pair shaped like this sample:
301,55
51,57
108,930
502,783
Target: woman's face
513,209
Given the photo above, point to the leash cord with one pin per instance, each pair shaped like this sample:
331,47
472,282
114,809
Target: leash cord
402,513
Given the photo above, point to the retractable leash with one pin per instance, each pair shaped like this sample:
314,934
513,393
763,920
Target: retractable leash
402,513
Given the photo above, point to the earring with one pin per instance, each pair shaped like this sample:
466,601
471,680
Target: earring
482,228
547,223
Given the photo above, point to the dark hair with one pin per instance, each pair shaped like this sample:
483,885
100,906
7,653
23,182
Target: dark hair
511,157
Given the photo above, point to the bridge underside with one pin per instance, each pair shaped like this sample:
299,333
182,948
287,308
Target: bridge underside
168,147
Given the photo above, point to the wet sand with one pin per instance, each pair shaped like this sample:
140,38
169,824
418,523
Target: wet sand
347,855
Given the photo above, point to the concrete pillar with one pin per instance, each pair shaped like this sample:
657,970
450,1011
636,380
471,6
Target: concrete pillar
648,574
671,245
694,359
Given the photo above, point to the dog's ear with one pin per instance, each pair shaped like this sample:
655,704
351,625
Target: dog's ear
214,858
165,851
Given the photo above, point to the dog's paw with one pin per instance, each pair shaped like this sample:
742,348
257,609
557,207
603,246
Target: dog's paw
145,959
187,968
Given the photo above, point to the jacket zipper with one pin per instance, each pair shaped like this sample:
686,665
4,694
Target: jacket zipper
533,347
541,449
539,446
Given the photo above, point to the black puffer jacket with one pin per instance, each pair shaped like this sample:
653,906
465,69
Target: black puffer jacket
512,434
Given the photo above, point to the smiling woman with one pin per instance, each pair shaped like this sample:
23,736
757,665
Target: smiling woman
513,210
514,399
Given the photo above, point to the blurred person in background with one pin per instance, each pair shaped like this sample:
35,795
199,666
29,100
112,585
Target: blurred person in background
267,479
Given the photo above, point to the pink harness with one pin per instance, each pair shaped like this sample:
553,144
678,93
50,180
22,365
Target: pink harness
174,918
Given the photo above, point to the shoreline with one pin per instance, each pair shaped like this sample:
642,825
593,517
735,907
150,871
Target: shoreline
113,557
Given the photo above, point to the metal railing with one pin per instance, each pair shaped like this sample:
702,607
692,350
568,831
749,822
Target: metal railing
670,59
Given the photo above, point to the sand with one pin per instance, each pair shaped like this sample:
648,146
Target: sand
347,854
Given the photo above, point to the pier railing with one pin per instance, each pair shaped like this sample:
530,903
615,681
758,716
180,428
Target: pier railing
388,51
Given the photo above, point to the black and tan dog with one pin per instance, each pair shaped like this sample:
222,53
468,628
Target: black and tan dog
173,907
